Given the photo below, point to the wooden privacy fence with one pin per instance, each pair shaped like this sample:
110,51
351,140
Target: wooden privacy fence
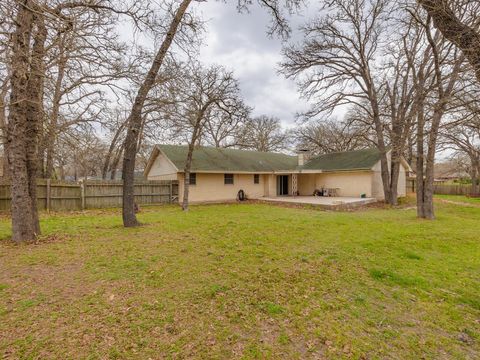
442,189
452,189
91,194
410,186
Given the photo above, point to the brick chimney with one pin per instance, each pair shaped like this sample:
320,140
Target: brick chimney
303,156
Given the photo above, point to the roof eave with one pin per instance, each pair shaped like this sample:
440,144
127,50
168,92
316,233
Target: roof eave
310,171
226,172
347,170
151,160
157,151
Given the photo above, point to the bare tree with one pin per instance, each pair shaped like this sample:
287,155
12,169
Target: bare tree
134,122
463,137
85,65
433,95
323,137
279,25
347,58
28,39
467,144
203,95
116,128
85,151
262,133
221,129
27,66
339,63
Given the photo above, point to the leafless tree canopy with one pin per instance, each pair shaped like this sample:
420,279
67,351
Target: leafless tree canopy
202,101
262,133
461,134
340,63
324,137
385,61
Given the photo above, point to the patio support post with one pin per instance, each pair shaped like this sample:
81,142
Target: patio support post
294,184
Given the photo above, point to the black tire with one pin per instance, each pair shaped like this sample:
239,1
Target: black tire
241,195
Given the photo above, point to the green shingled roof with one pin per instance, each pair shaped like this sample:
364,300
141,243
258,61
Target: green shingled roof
231,160
350,160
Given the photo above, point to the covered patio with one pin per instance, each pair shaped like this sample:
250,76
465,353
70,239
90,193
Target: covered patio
333,203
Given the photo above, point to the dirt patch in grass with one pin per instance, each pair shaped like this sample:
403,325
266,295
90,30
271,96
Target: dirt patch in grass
460,203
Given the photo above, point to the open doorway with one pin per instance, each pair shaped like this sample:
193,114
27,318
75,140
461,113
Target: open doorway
282,185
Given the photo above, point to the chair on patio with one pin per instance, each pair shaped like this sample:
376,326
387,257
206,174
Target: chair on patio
330,192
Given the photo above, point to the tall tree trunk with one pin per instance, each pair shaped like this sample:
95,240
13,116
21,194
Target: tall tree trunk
410,157
428,209
41,153
401,120
75,169
186,179
385,173
475,176
444,93
108,159
188,164
394,176
35,113
419,188
114,166
439,111
23,221
62,171
135,120
419,79
49,152
474,190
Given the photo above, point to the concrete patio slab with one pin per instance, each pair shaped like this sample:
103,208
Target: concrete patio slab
332,203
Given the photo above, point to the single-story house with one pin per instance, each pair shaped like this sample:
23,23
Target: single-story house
218,174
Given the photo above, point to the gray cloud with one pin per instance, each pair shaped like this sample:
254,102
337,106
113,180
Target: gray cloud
240,43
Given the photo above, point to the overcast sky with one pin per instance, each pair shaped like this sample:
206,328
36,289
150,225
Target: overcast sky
240,43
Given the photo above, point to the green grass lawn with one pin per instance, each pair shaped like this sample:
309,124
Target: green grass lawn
460,199
245,281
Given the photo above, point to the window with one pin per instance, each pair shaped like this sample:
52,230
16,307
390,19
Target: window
256,179
228,179
193,179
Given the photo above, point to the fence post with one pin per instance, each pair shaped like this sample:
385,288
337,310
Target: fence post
49,194
66,196
82,193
